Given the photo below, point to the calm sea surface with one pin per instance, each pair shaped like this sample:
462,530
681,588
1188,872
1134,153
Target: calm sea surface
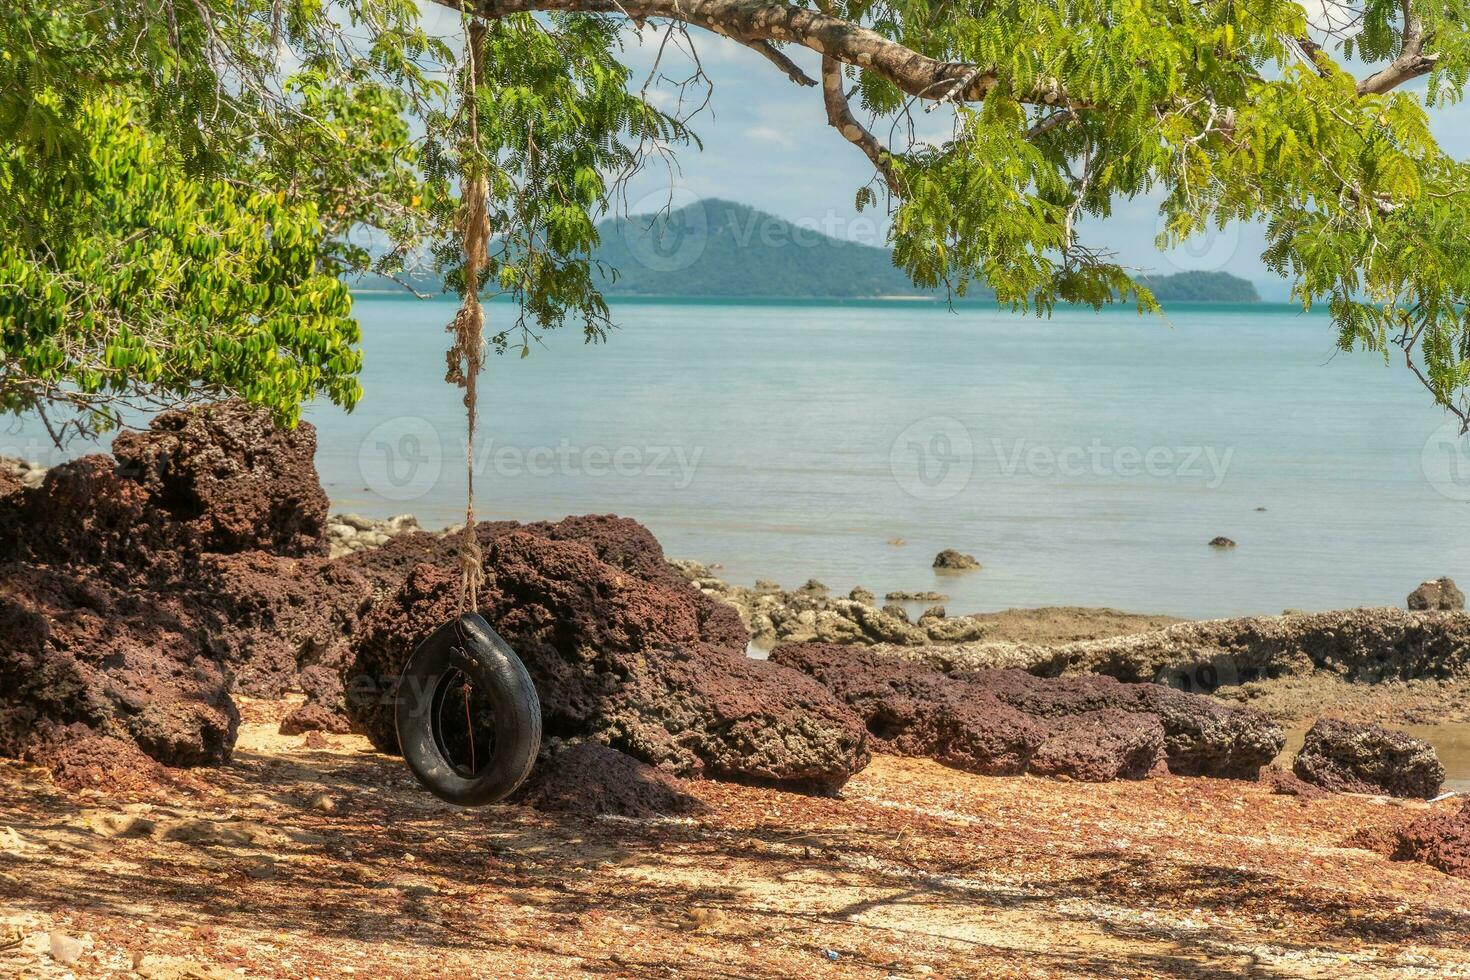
1086,459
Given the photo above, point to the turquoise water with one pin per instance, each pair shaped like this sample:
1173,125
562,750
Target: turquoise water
1086,459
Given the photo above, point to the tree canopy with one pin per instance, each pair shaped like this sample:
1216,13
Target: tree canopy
330,127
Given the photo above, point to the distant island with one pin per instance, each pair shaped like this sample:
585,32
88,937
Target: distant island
722,249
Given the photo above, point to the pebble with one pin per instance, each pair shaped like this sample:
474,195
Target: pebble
65,949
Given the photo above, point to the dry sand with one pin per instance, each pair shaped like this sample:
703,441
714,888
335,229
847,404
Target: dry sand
317,857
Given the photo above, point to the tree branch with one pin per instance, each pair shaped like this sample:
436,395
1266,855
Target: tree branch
1411,63
792,69
839,114
751,22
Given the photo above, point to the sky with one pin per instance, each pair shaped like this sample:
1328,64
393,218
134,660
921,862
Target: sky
767,144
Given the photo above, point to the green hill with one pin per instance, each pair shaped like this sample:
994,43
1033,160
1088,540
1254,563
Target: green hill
716,248
720,248
1203,287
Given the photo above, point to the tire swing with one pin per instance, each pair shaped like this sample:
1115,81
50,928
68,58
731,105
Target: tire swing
469,720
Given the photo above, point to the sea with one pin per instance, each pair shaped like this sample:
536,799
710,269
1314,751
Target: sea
1085,458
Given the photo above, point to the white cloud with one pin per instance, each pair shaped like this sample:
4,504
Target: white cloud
769,134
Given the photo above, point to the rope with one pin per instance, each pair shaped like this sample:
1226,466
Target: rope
466,355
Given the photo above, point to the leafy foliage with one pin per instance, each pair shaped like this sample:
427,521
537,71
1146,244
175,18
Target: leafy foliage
180,205
352,116
166,285
557,127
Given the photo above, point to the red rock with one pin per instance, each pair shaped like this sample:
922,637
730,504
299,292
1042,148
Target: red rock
125,664
1100,746
220,479
633,661
594,780
312,717
230,479
1439,839
81,759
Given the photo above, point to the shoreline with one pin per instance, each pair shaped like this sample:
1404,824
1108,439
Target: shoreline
898,622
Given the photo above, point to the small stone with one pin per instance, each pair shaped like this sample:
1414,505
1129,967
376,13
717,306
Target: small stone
323,803
261,869
897,542
355,521
1221,542
65,949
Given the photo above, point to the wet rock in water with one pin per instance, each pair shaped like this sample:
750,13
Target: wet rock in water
1442,593
1346,757
860,594
1440,839
1221,542
1097,727
311,717
630,656
916,597
950,560
593,780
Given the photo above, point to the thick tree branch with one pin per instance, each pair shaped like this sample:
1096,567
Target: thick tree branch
839,114
1411,63
751,22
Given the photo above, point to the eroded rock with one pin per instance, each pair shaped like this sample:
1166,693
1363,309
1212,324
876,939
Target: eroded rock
999,722
1439,839
1442,593
950,560
1347,757
624,654
594,780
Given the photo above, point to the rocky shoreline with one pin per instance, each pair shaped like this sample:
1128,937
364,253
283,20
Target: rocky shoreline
143,593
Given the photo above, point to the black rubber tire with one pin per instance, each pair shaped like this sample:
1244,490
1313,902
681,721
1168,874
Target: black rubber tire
467,644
